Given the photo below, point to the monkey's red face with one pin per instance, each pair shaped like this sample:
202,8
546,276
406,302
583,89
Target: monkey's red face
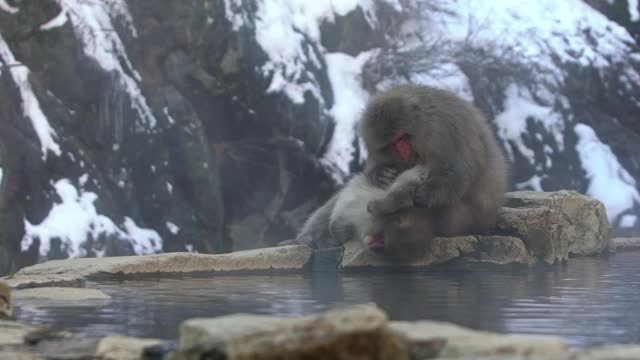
401,145
376,242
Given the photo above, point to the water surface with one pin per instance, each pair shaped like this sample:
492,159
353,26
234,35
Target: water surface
589,301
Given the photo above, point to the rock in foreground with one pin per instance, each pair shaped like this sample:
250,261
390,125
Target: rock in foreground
360,332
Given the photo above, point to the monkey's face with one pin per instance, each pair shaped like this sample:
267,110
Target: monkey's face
386,130
403,236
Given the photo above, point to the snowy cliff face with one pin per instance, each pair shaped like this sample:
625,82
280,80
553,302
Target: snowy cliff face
210,125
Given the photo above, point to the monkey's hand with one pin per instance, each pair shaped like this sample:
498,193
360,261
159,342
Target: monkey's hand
341,232
383,175
387,205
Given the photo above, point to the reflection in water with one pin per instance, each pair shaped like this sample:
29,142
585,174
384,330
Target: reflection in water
590,301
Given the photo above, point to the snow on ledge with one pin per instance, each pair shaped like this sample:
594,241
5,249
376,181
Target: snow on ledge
512,122
75,219
30,104
609,182
56,22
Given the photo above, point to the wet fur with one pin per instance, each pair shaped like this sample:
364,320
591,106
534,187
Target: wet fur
458,169
345,217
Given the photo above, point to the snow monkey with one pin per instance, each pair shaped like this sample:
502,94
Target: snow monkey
445,152
401,236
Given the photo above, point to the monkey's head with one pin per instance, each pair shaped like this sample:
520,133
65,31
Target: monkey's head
403,236
387,125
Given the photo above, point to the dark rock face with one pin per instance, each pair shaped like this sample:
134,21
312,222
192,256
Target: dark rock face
209,149
173,137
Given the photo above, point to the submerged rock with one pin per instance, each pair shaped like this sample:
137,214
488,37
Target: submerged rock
61,294
358,332
585,225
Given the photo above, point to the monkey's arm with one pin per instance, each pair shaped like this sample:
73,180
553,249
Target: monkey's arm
382,175
401,193
315,230
447,182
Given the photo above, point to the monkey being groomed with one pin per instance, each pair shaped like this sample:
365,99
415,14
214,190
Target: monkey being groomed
445,152
401,236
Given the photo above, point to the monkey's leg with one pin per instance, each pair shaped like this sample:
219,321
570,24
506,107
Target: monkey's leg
401,193
316,229
456,220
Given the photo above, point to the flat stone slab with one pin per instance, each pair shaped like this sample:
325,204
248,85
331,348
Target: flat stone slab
489,249
629,243
432,339
75,271
63,294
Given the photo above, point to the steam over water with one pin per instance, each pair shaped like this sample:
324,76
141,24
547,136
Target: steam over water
590,301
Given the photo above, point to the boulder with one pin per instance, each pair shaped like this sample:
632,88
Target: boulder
277,258
358,332
489,249
586,226
541,229
123,347
432,339
60,294
13,333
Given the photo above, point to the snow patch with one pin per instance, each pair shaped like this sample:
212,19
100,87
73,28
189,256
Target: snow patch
144,241
448,77
287,31
173,228
92,24
512,122
609,182
538,29
74,219
634,13
534,183
30,104
4,6
627,221
350,99
57,21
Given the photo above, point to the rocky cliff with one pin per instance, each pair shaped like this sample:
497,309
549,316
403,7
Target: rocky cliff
211,125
